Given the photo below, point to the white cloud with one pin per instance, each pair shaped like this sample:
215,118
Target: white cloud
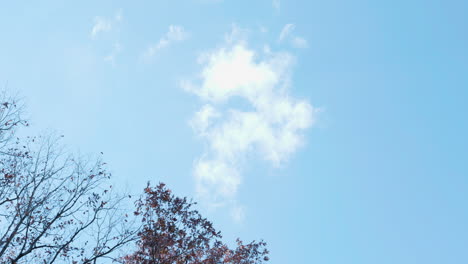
237,34
102,24
295,41
115,51
276,4
299,43
286,31
271,130
174,34
118,15
238,213
203,119
216,180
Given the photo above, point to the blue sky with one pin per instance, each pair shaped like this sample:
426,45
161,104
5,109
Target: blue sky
335,130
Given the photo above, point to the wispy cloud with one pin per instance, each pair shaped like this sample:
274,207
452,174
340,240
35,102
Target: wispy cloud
295,41
286,31
276,4
299,43
103,24
174,34
118,15
238,213
272,130
115,51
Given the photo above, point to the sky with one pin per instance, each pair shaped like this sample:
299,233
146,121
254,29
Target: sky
334,130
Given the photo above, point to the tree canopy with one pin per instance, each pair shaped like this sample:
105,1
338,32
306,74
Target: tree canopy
174,232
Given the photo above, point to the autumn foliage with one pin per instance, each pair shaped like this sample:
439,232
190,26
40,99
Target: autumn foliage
174,232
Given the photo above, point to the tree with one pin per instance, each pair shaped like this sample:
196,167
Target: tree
173,232
54,207
11,111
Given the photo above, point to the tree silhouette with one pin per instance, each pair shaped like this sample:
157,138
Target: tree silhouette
53,207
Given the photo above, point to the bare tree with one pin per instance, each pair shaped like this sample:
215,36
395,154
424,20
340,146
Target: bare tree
11,112
54,207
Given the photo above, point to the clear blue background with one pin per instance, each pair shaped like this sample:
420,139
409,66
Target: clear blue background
383,177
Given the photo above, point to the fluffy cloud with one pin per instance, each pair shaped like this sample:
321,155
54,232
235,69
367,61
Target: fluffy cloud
271,128
216,180
174,34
